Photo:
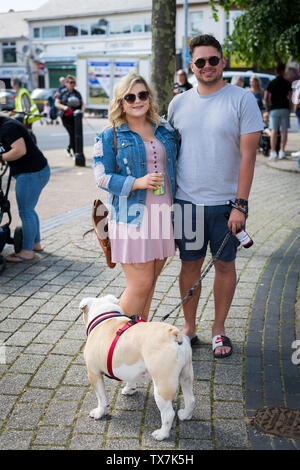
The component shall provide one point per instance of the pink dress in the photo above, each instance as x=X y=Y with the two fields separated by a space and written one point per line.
x=154 y=238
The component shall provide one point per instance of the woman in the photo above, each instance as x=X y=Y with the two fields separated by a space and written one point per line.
x=255 y=87
x=68 y=101
x=140 y=227
x=31 y=170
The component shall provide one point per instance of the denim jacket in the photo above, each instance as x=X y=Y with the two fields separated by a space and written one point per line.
x=128 y=206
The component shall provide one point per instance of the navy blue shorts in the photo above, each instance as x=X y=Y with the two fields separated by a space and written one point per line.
x=212 y=224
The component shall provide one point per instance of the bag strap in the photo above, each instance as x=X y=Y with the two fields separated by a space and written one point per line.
x=115 y=146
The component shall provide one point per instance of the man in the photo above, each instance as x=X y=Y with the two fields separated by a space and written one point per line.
x=68 y=101
x=62 y=84
x=220 y=126
x=182 y=83
x=24 y=104
x=279 y=103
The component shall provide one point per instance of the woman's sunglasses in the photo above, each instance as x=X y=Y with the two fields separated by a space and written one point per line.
x=213 y=60
x=131 y=97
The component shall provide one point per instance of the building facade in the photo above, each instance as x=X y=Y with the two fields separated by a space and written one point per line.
x=48 y=41
x=14 y=49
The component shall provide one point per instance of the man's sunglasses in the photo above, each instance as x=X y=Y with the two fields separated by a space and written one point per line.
x=71 y=82
x=131 y=97
x=213 y=60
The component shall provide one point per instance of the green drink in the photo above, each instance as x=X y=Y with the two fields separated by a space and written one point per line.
x=161 y=189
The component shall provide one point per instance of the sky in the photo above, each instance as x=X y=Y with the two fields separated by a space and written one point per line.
x=19 y=5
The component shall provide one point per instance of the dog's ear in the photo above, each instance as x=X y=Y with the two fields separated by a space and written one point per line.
x=112 y=298
x=84 y=306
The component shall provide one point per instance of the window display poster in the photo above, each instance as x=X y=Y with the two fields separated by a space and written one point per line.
x=99 y=82
x=123 y=68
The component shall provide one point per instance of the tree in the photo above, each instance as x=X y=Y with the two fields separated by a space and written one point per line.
x=266 y=33
x=163 y=51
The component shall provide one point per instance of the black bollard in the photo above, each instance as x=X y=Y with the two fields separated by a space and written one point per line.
x=79 y=156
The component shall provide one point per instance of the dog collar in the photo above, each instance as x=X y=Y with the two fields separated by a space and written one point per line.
x=100 y=318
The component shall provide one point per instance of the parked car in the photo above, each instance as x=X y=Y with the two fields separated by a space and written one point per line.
x=265 y=78
x=41 y=96
x=7 y=99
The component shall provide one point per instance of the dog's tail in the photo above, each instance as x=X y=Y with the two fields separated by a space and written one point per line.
x=173 y=331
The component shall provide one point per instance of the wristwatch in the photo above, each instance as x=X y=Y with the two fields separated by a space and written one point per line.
x=241 y=202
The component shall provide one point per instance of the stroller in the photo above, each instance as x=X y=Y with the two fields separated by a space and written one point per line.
x=265 y=140
x=5 y=236
x=265 y=143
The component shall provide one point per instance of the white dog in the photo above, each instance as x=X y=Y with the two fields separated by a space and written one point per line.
x=146 y=350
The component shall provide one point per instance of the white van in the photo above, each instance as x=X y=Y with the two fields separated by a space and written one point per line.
x=265 y=78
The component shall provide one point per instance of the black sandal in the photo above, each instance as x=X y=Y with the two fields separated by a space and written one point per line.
x=195 y=342
x=221 y=340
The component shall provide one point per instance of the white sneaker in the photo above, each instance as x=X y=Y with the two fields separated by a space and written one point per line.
x=273 y=156
x=295 y=154
x=68 y=153
x=281 y=155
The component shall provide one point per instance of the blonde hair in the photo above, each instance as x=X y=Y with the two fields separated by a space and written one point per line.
x=256 y=80
x=70 y=77
x=116 y=114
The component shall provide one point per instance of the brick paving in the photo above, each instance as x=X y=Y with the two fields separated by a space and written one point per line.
x=45 y=394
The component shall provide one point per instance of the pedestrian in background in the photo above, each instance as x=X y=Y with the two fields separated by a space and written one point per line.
x=68 y=101
x=220 y=126
x=24 y=104
x=182 y=83
x=255 y=87
x=62 y=84
x=31 y=171
x=237 y=80
x=139 y=175
x=279 y=104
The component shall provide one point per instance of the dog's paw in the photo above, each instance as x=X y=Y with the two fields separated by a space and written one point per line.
x=159 y=435
x=129 y=389
x=184 y=414
x=97 y=413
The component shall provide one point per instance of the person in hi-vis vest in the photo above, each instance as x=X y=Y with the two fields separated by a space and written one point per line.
x=24 y=103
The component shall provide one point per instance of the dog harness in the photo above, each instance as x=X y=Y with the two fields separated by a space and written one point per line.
x=134 y=319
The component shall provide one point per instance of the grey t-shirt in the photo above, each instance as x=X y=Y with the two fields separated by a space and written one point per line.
x=210 y=128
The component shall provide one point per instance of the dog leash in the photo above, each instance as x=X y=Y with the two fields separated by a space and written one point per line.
x=205 y=272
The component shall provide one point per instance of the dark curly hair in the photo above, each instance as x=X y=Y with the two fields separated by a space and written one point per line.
x=205 y=40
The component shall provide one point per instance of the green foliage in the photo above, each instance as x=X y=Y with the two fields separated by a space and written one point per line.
x=267 y=32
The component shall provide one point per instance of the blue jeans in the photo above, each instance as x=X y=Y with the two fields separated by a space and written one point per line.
x=28 y=189
x=298 y=117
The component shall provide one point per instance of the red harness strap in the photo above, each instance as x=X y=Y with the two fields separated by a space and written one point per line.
x=113 y=345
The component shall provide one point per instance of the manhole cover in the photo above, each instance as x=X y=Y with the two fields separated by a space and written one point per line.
x=282 y=422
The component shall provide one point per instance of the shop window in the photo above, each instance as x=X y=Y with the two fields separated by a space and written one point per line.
x=9 y=53
x=120 y=27
x=50 y=32
x=71 y=30
x=196 y=23
x=36 y=32
x=148 y=26
x=138 y=27
x=99 y=28
x=84 y=30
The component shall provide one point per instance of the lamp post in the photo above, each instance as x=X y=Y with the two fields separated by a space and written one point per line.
x=185 y=47
x=79 y=156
